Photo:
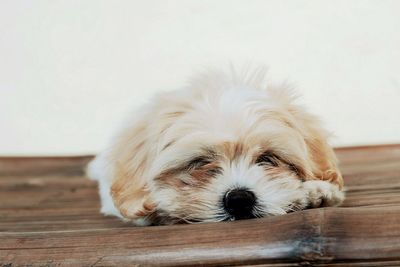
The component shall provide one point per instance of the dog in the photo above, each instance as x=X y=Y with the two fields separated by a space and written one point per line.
x=225 y=147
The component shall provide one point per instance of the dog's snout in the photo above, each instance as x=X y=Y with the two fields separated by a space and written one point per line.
x=239 y=203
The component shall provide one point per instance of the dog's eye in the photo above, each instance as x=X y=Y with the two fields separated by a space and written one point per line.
x=198 y=162
x=267 y=158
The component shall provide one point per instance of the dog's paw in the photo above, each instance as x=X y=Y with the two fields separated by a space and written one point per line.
x=322 y=194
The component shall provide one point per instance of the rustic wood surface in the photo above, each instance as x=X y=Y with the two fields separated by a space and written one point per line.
x=49 y=217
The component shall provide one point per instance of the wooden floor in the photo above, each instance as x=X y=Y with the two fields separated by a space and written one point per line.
x=49 y=217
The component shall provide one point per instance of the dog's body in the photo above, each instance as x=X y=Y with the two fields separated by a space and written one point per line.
x=222 y=149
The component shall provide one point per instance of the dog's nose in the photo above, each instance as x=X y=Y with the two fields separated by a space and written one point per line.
x=239 y=203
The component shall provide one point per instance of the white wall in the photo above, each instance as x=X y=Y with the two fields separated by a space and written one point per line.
x=70 y=70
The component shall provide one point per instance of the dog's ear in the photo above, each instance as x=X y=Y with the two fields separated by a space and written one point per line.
x=324 y=165
x=129 y=157
x=324 y=162
x=134 y=152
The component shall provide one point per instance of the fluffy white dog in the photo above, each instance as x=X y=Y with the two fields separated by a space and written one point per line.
x=225 y=148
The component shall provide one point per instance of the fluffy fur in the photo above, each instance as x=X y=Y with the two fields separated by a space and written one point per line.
x=178 y=156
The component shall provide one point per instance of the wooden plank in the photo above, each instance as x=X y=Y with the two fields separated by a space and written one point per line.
x=43 y=165
x=320 y=235
x=49 y=217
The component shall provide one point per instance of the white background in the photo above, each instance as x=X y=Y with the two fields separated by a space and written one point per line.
x=71 y=70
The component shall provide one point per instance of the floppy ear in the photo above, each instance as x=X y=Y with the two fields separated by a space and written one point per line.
x=129 y=157
x=323 y=160
x=133 y=152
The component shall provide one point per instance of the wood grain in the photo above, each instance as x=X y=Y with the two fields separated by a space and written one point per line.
x=49 y=217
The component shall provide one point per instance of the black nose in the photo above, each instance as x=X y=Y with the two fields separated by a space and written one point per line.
x=239 y=203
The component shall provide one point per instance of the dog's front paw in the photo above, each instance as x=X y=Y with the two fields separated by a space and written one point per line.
x=322 y=194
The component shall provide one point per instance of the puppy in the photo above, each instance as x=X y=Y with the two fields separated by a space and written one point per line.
x=224 y=148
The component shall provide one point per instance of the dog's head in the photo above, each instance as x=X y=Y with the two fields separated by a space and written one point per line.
x=220 y=150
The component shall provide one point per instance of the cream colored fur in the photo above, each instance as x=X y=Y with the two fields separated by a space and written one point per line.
x=233 y=119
